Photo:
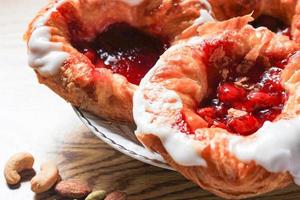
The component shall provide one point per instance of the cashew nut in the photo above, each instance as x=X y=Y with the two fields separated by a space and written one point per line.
x=46 y=178
x=16 y=164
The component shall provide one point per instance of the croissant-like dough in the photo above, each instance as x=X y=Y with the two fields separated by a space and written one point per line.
x=99 y=90
x=287 y=11
x=181 y=70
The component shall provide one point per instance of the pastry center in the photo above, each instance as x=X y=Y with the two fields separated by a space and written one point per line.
x=273 y=24
x=242 y=94
x=124 y=50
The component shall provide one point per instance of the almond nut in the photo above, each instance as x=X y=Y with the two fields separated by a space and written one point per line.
x=116 y=195
x=72 y=189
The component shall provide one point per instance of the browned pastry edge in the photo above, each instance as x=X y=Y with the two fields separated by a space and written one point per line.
x=287 y=11
x=86 y=100
x=202 y=175
x=281 y=9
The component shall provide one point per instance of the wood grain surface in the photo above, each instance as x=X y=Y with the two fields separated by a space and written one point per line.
x=34 y=119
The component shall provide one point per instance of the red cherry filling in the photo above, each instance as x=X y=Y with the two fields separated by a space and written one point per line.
x=242 y=94
x=229 y=93
x=273 y=24
x=124 y=50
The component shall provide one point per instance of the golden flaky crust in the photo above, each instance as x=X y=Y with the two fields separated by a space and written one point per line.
x=99 y=91
x=182 y=67
x=224 y=175
x=287 y=11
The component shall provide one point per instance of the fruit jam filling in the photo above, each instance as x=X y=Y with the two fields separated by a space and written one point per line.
x=272 y=24
x=124 y=50
x=243 y=94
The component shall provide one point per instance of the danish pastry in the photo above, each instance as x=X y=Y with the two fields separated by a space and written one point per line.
x=280 y=16
x=222 y=108
x=93 y=53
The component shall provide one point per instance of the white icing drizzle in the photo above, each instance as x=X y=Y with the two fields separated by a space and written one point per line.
x=205 y=14
x=275 y=146
x=149 y=119
x=207 y=5
x=203 y=18
x=44 y=55
x=133 y=2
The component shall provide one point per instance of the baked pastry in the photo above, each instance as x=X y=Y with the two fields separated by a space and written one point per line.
x=93 y=53
x=281 y=16
x=222 y=108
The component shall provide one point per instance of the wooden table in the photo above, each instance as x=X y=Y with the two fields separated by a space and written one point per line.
x=34 y=119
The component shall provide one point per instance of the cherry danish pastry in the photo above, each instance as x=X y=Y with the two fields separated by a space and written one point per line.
x=93 y=53
x=280 y=16
x=222 y=108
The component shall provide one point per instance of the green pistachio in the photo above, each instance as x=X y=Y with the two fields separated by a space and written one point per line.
x=97 y=195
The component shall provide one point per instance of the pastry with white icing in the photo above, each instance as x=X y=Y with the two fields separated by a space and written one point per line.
x=222 y=107
x=73 y=48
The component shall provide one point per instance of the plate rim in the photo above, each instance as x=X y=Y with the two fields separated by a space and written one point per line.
x=117 y=146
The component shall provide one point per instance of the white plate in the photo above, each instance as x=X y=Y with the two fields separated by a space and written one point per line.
x=121 y=137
